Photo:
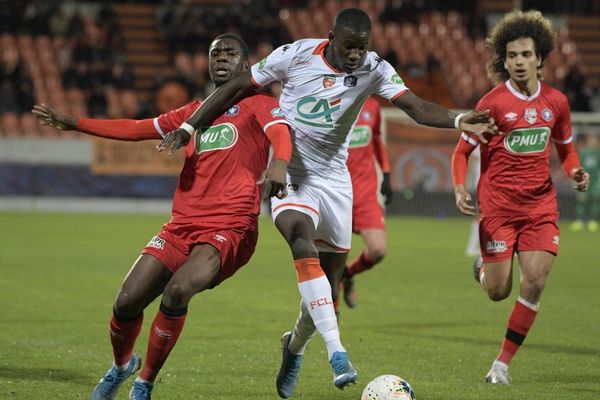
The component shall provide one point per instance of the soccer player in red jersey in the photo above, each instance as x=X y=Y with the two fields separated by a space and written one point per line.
x=214 y=223
x=517 y=199
x=366 y=146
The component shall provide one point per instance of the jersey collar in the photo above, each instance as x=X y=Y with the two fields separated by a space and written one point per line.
x=320 y=50
x=520 y=95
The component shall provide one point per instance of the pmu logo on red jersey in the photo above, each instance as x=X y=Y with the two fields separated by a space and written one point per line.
x=496 y=246
x=360 y=136
x=216 y=137
x=525 y=141
x=323 y=301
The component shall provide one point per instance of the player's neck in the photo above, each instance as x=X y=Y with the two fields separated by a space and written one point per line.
x=330 y=57
x=527 y=88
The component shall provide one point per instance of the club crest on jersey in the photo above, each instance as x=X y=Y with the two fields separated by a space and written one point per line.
x=233 y=111
x=547 y=114
x=366 y=115
x=511 y=116
x=328 y=81
x=531 y=115
x=350 y=81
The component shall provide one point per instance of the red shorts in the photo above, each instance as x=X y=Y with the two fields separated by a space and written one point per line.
x=173 y=245
x=367 y=213
x=500 y=237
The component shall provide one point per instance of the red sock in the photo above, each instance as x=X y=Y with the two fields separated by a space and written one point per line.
x=163 y=335
x=122 y=337
x=362 y=263
x=520 y=321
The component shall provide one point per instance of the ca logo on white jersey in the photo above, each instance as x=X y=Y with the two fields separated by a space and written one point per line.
x=317 y=112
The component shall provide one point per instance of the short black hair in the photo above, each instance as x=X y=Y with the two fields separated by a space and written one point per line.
x=353 y=19
x=242 y=43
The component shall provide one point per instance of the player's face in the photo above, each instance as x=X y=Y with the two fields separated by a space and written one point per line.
x=350 y=48
x=521 y=60
x=225 y=60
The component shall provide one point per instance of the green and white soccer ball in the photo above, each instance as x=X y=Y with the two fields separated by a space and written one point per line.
x=388 y=387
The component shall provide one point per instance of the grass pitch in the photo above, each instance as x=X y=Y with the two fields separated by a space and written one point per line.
x=420 y=316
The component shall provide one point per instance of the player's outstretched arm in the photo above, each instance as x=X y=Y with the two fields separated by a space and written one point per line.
x=427 y=113
x=54 y=119
x=118 y=129
x=216 y=104
x=572 y=166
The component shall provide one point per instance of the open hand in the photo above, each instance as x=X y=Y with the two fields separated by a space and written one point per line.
x=174 y=140
x=52 y=118
x=464 y=202
x=581 y=178
x=478 y=123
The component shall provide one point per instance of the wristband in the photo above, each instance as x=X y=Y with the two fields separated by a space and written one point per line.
x=187 y=127
x=457 y=120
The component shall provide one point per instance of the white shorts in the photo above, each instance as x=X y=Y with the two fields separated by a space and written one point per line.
x=329 y=207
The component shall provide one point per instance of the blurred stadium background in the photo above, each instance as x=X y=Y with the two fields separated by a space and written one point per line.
x=134 y=59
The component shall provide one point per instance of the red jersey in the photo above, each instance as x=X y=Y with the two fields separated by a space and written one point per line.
x=217 y=186
x=515 y=165
x=365 y=146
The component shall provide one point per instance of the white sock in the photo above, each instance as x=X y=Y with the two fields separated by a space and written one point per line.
x=123 y=367
x=499 y=364
x=303 y=331
x=316 y=294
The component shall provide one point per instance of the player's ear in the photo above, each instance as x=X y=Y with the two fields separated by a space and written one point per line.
x=246 y=66
x=330 y=36
x=505 y=65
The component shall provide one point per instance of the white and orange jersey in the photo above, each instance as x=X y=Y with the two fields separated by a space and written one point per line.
x=322 y=103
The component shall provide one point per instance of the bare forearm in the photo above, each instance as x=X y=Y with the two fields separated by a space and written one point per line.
x=431 y=114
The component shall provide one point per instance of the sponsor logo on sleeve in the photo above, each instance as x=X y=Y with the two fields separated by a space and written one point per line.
x=262 y=63
x=276 y=112
x=396 y=79
x=350 y=81
x=525 y=141
x=328 y=81
x=531 y=115
x=496 y=246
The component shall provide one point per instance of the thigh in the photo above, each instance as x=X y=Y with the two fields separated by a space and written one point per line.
x=535 y=265
x=298 y=230
x=198 y=273
x=145 y=282
x=374 y=238
x=498 y=275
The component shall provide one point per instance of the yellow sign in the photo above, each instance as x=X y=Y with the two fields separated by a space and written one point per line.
x=112 y=157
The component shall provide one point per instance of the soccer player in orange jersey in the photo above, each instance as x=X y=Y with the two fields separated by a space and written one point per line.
x=366 y=147
x=517 y=199
x=214 y=223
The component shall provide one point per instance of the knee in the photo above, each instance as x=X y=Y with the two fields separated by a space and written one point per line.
x=377 y=253
x=177 y=295
x=534 y=287
x=125 y=307
x=303 y=248
x=497 y=294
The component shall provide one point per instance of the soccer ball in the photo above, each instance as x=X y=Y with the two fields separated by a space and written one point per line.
x=388 y=387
